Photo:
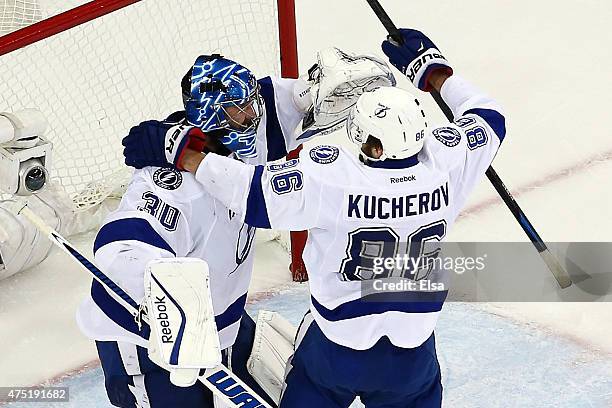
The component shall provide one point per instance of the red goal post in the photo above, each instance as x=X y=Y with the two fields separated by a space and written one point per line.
x=289 y=69
x=96 y=68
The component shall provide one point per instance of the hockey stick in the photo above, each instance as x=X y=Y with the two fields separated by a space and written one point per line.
x=220 y=380
x=560 y=274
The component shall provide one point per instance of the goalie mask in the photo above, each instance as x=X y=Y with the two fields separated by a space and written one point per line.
x=393 y=116
x=220 y=94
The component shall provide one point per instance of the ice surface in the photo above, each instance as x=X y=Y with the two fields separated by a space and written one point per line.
x=487 y=361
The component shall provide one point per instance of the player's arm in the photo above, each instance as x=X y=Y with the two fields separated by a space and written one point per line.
x=123 y=248
x=480 y=120
x=286 y=101
x=281 y=196
x=425 y=66
x=468 y=146
x=145 y=227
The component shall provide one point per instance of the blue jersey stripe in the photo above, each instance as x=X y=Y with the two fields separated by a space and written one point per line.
x=406 y=302
x=277 y=147
x=232 y=314
x=256 y=211
x=116 y=312
x=494 y=119
x=130 y=229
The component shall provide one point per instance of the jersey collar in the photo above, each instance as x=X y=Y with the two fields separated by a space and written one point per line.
x=394 y=164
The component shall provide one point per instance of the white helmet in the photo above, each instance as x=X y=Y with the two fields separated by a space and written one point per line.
x=393 y=116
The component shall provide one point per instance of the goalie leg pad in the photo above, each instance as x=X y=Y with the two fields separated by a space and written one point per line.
x=272 y=348
x=184 y=335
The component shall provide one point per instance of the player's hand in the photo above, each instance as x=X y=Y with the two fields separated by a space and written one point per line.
x=418 y=57
x=161 y=144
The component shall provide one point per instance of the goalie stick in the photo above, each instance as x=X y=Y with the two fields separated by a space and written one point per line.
x=560 y=274
x=224 y=384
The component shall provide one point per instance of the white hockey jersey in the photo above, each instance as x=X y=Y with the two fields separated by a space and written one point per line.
x=353 y=210
x=166 y=213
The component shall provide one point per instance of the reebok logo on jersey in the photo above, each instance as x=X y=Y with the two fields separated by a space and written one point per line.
x=162 y=319
x=395 y=180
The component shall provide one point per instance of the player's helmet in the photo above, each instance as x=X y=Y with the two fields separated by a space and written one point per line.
x=214 y=84
x=393 y=116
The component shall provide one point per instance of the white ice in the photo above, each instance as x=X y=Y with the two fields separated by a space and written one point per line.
x=547 y=63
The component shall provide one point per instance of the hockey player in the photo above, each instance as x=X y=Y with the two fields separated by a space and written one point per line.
x=166 y=213
x=408 y=187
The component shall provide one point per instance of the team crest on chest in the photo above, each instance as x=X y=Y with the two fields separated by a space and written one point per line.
x=448 y=136
x=168 y=179
x=324 y=154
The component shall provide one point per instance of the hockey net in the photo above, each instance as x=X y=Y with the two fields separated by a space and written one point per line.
x=121 y=64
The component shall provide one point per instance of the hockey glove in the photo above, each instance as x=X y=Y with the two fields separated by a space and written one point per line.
x=338 y=79
x=418 y=57
x=161 y=144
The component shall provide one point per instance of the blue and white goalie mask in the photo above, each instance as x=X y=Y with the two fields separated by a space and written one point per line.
x=219 y=93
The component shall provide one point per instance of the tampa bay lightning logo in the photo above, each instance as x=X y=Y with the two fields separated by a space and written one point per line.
x=324 y=154
x=244 y=244
x=168 y=179
x=448 y=136
x=381 y=111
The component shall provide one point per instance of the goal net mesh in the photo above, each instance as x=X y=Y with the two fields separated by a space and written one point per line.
x=95 y=81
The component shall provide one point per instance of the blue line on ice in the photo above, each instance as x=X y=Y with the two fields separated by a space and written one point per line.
x=487 y=361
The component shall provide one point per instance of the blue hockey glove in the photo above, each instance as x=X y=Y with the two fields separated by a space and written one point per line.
x=418 y=57
x=160 y=144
